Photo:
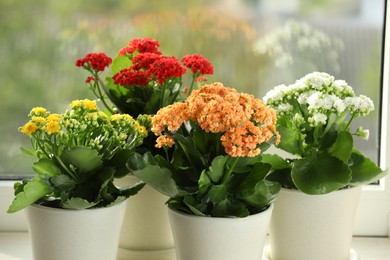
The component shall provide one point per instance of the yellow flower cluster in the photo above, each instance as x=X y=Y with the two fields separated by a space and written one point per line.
x=244 y=120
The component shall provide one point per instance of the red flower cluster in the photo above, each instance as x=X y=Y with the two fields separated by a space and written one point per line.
x=129 y=77
x=97 y=61
x=198 y=64
x=143 y=61
x=165 y=68
x=141 y=45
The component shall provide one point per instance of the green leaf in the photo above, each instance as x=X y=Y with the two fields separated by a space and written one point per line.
x=320 y=174
x=132 y=190
x=217 y=168
x=78 y=203
x=32 y=191
x=255 y=190
x=62 y=182
x=290 y=140
x=135 y=162
x=27 y=151
x=230 y=208
x=342 y=147
x=194 y=206
x=217 y=193
x=364 y=171
x=277 y=162
x=119 y=63
x=45 y=166
x=260 y=194
x=159 y=179
x=245 y=164
x=85 y=159
x=194 y=156
x=119 y=161
x=153 y=104
x=203 y=183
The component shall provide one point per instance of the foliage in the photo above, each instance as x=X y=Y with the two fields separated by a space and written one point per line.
x=79 y=153
x=314 y=118
x=216 y=168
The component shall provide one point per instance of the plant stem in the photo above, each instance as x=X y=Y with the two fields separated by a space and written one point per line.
x=192 y=84
x=230 y=169
x=100 y=94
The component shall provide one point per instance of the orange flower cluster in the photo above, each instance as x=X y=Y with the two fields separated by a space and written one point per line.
x=245 y=121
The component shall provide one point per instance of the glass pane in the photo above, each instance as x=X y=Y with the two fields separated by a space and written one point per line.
x=253 y=44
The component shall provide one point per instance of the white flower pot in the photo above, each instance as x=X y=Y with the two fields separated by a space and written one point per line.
x=313 y=226
x=62 y=234
x=207 y=238
x=146 y=233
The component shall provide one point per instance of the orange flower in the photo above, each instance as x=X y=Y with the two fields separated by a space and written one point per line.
x=245 y=121
x=243 y=140
x=165 y=141
x=170 y=117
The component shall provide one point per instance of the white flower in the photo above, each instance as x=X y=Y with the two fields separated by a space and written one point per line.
x=318 y=119
x=302 y=99
x=363 y=133
x=338 y=104
x=284 y=107
x=276 y=94
x=318 y=80
x=315 y=101
x=361 y=105
x=328 y=102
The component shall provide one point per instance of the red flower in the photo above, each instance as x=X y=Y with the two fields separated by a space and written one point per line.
x=165 y=68
x=126 y=50
x=128 y=77
x=142 y=46
x=144 y=60
x=97 y=61
x=198 y=64
x=90 y=79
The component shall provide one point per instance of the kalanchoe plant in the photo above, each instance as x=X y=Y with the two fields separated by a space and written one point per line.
x=79 y=153
x=314 y=121
x=216 y=169
x=143 y=80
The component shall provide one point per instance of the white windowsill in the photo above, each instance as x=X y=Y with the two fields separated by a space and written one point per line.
x=16 y=246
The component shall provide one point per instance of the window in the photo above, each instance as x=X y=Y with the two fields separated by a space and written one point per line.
x=253 y=44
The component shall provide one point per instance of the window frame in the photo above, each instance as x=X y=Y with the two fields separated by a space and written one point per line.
x=373 y=212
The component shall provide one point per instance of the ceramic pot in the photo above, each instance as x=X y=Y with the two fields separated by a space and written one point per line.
x=208 y=238
x=146 y=233
x=63 y=234
x=313 y=226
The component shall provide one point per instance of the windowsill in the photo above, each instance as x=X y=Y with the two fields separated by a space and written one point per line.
x=16 y=246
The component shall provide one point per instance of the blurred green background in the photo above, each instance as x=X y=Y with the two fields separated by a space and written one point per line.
x=253 y=44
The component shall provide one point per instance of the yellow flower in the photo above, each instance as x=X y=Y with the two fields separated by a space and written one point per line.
x=38 y=111
x=52 y=127
x=39 y=120
x=54 y=117
x=143 y=132
x=29 y=128
x=116 y=117
x=89 y=104
x=103 y=115
x=76 y=103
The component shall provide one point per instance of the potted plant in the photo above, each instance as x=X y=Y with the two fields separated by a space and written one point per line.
x=79 y=154
x=143 y=80
x=213 y=172
x=323 y=171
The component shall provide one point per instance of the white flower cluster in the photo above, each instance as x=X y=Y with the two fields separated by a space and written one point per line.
x=316 y=96
x=283 y=44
